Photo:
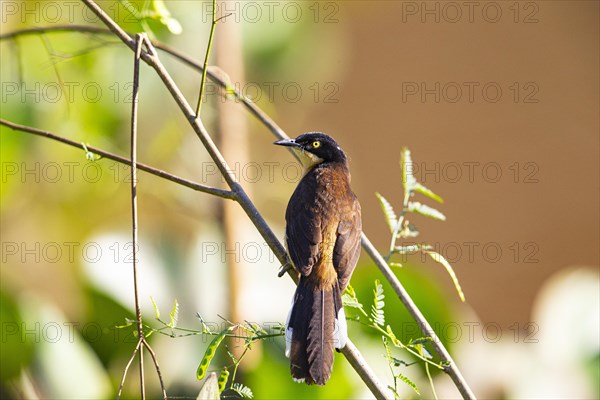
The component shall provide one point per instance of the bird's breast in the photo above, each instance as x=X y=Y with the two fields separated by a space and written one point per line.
x=330 y=200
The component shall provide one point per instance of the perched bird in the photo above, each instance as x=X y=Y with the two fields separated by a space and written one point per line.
x=323 y=229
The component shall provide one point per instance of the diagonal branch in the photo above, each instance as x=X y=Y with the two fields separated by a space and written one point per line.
x=137 y=348
x=155 y=361
x=226 y=194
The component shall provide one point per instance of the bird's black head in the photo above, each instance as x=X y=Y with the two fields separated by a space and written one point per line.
x=315 y=148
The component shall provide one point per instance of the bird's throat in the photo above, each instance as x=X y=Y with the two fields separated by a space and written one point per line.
x=308 y=160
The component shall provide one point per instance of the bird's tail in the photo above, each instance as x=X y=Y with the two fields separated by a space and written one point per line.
x=316 y=324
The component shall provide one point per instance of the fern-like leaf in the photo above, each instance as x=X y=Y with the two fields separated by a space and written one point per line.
x=174 y=315
x=377 y=314
x=408 y=179
x=242 y=390
x=427 y=192
x=156 y=311
x=416 y=207
x=388 y=211
x=408 y=382
x=349 y=298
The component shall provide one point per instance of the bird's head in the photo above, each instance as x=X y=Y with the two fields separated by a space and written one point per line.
x=313 y=148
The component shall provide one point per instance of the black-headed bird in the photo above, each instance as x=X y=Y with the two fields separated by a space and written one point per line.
x=322 y=236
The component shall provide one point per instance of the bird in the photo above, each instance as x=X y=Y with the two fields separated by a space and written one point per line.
x=322 y=237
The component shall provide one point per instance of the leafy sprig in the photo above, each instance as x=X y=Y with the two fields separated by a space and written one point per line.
x=376 y=320
x=402 y=228
x=249 y=333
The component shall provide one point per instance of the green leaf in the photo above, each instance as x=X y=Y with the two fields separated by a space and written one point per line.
x=418 y=345
x=132 y=9
x=440 y=259
x=174 y=315
x=388 y=211
x=161 y=13
x=416 y=207
x=349 y=298
x=409 y=383
x=156 y=312
x=242 y=390
x=421 y=340
x=349 y=301
x=427 y=192
x=395 y=264
x=128 y=322
x=408 y=179
x=396 y=342
x=209 y=354
x=89 y=155
x=377 y=314
x=425 y=353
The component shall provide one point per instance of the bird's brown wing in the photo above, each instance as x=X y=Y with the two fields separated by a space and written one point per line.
x=303 y=227
x=347 y=245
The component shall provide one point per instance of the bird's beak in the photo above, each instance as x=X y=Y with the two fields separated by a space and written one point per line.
x=288 y=143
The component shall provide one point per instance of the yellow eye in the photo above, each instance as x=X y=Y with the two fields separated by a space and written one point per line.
x=316 y=144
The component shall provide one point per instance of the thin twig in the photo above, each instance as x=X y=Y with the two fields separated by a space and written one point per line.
x=156 y=367
x=134 y=217
x=206 y=55
x=137 y=348
x=226 y=194
x=52 y=57
x=54 y=28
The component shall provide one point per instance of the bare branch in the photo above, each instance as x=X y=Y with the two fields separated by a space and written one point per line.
x=137 y=348
x=55 y=28
x=226 y=194
x=154 y=360
x=206 y=55
x=134 y=218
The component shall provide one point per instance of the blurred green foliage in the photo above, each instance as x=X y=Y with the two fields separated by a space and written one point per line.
x=16 y=351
